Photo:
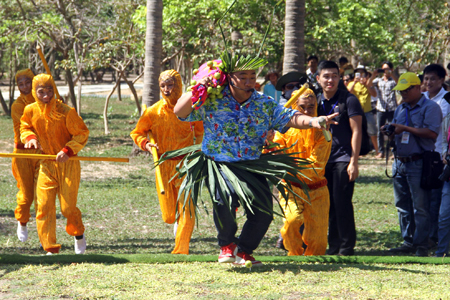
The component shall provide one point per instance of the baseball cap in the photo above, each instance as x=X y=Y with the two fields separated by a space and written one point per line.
x=406 y=80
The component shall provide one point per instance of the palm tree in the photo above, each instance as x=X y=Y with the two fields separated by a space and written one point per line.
x=294 y=36
x=153 y=49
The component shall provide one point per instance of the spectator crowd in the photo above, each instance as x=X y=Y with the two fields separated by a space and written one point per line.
x=407 y=113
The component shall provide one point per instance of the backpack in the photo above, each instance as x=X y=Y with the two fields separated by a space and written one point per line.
x=365 y=140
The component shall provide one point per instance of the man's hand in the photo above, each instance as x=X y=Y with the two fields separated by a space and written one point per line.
x=320 y=124
x=352 y=171
x=399 y=128
x=33 y=144
x=149 y=146
x=62 y=157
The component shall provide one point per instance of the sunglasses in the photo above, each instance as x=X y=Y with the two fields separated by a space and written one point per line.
x=407 y=90
x=291 y=86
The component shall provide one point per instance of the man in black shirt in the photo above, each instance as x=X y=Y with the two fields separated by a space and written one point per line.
x=342 y=167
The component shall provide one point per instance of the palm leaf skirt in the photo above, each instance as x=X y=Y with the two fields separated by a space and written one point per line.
x=281 y=169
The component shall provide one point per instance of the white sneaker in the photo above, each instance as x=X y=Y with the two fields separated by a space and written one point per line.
x=80 y=245
x=49 y=253
x=22 y=232
x=175 y=227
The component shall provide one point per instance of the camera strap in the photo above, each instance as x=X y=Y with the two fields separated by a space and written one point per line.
x=388 y=144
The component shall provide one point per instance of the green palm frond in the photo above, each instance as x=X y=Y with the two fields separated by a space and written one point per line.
x=235 y=63
x=282 y=170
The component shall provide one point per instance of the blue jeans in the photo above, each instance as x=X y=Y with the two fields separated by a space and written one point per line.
x=412 y=203
x=444 y=221
x=435 y=204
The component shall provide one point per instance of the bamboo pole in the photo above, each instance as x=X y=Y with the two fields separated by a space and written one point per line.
x=53 y=157
x=157 y=169
x=296 y=95
x=47 y=69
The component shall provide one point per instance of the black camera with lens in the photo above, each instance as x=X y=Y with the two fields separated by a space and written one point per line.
x=445 y=176
x=388 y=129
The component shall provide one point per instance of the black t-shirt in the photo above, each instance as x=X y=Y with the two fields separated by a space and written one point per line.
x=341 y=149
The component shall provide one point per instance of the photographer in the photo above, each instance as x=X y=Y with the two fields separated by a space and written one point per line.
x=416 y=121
x=387 y=102
x=359 y=87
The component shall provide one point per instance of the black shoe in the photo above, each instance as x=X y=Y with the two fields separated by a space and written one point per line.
x=432 y=244
x=402 y=249
x=422 y=252
x=280 y=244
x=346 y=253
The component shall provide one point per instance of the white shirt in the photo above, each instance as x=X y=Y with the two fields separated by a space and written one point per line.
x=445 y=108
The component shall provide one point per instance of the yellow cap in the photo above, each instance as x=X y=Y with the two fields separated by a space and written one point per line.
x=406 y=80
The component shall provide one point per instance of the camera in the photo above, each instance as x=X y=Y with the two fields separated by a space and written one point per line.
x=445 y=176
x=388 y=129
x=380 y=70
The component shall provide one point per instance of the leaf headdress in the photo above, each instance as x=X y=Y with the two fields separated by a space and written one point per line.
x=227 y=64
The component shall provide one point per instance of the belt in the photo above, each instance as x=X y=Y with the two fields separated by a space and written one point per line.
x=312 y=186
x=407 y=159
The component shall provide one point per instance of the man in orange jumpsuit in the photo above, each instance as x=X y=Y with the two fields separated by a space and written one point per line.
x=24 y=170
x=170 y=134
x=312 y=146
x=55 y=128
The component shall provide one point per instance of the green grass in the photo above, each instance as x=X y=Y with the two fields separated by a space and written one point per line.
x=128 y=255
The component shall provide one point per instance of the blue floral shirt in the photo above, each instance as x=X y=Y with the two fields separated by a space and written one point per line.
x=235 y=132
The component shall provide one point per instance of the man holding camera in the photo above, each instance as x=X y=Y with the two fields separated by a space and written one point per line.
x=414 y=130
x=387 y=102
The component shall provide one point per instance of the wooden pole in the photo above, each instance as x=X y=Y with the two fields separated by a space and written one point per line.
x=296 y=95
x=157 y=169
x=53 y=157
x=47 y=69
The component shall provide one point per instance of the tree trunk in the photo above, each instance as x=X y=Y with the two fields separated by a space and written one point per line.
x=79 y=97
x=119 y=90
x=153 y=49
x=4 y=105
x=105 y=109
x=133 y=91
x=294 y=37
x=69 y=80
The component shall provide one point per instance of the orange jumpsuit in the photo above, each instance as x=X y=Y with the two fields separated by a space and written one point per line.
x=24 y=170
x=57 y=127
x=313 y=146
x=170 y=134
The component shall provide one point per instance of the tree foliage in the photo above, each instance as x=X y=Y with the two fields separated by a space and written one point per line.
x=403 y=32
x=81 y=36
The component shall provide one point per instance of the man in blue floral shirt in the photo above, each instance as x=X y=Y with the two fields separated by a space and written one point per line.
x=236 y=126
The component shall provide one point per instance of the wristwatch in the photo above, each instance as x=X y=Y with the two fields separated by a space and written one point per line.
x=311 y=120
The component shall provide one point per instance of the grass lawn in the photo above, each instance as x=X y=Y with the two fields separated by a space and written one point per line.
x=129 y=246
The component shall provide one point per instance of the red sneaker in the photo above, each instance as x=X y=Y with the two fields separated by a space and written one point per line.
x=242 y=257
x=228 y=253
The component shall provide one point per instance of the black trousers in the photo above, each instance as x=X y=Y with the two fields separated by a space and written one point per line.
x=258 y=219
x=341 y=229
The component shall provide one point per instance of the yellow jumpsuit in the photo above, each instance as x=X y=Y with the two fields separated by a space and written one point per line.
x=25 y=171
x=57 y=127
x=313 y=146
x=170 y=134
